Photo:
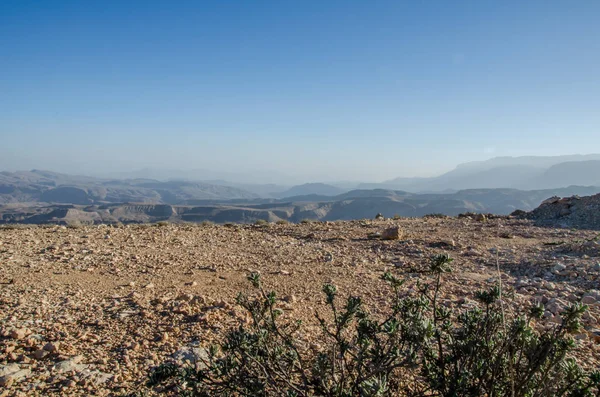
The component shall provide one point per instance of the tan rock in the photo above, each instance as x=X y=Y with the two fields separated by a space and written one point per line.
x=392 y=233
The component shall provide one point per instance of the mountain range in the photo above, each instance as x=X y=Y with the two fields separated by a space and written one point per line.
x=498 y=185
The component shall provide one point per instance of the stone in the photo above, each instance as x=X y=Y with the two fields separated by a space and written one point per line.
x=588 y=300
x=71 y=364
x=52 y=347
x=19 y=333
x=192 y=354
x=12 y=373
x=40 y=354
x=392 y=233
x=480 y=217
x=558 y=268
x=290 y=299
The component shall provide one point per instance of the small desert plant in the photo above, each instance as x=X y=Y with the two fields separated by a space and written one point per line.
x=282 y=222
x=261 y=222
x=207 y=223
x=435 y=215
x=307 y=221
x=418 y=348
x=162 y=223
x=397 y=217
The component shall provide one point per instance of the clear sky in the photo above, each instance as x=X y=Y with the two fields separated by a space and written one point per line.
x=323 y=90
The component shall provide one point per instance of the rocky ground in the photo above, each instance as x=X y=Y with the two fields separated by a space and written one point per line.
x=575 y=211
x=89 y=310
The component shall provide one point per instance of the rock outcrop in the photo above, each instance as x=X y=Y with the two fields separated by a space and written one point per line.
x=575 y=212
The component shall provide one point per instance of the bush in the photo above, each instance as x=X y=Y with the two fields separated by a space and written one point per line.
x=436 y=215
x=261 y=222
x=282 y=222
x=419 y=348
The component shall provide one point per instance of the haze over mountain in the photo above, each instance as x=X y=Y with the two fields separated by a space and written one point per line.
x=527 y=172
x=524 y=173
x=499 y=185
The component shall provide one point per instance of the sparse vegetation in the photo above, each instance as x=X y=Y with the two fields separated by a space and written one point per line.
x=207 y=223
x=162 y=223
x=419 y=348
x=282 y=222
x=307 y=221
x=435 y=215
x=261 y=222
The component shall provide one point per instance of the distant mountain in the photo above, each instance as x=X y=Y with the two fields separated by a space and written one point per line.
x=531 y=161
x=320 y=189
x=583 y=173
x=508 y=172
x=49 y=187
x=356 y=204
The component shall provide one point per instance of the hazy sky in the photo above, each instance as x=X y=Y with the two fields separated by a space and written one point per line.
x=355 y=90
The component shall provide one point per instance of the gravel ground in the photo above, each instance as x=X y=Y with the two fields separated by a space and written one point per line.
x=88 y=311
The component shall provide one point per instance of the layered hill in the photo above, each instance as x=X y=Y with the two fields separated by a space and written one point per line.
x=50 y=187
x=356 y=204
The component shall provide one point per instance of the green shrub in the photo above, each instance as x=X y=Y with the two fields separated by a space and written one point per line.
x=261 y=222
x=419 y=348
x=282 y=222
x=162 y=223
x=436 y=215
x=207 y=223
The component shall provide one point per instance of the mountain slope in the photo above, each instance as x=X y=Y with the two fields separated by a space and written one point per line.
x=44 y=186
x=320 y=189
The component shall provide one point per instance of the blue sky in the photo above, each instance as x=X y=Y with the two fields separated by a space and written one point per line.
x=319 y=90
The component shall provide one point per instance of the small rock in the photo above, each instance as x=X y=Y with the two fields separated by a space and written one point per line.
x=19 y=333
x=480 y=217
x=392 y=233
x=558 y=268
x=290 y=299
x=51 y=347
x=12 y=373
x=191 y=355
x=71 y=364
